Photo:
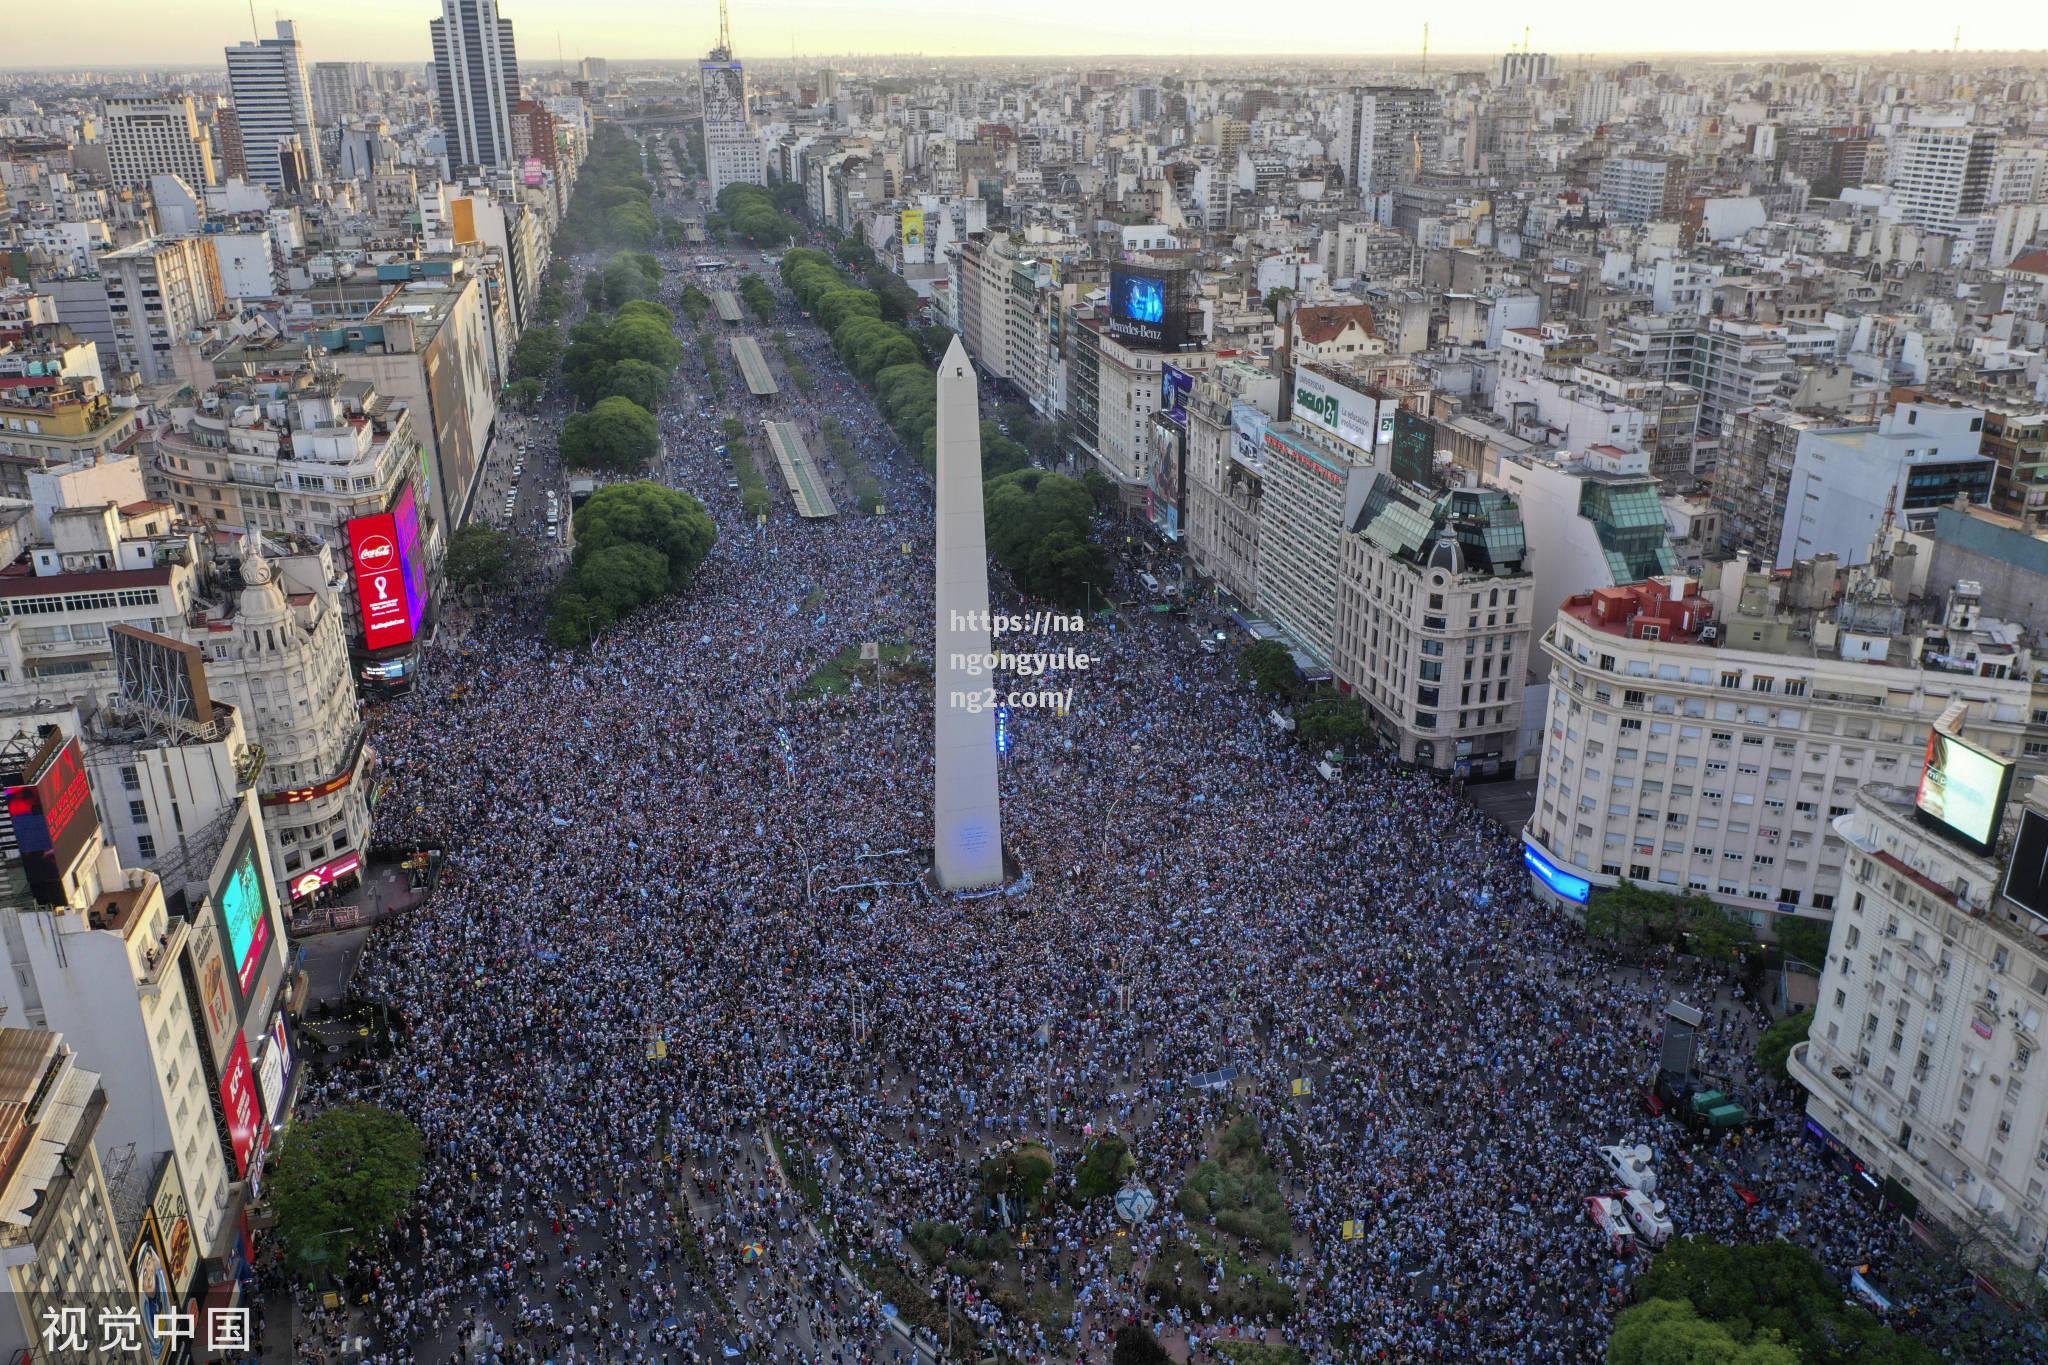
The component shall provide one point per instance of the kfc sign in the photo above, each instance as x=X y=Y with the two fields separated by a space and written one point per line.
x=380 y=582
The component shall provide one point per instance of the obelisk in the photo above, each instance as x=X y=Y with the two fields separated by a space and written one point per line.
x=967 y=814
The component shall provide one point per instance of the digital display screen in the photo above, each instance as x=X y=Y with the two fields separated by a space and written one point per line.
x=2026 y=876
x=1137 y=305
x=1414 y=454
x=243 y=908
x=380 y=582
x=239 y=1102
x=1141 y=298
x=52 y=816
x=1174 y=387
x=1572 y=888
x=1963 y=790
x=410 y=561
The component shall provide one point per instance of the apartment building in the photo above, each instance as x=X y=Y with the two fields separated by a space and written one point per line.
x=1919 y=1064
x=1941 y=169
x=1703 y=743
x=46 y=426
x=1433 y=624
x=274 y=110
x=159 y=291
x=1227 y=473
x=58 y=1239
x=1637 y=189
x=297 y=453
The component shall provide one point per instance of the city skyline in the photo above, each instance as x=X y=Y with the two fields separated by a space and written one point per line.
x=132 y=33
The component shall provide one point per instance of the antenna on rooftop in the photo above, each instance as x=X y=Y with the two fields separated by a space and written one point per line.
x=254 y=31
x=1425 y=49
x=724 y=33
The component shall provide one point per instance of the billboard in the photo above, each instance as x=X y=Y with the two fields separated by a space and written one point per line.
x=174 y=1229
x=1338 y=409
x=1247 y=434
x=2026 y=876
x=239 y=1105
x=162 y=676
x=245 y=911
x=216 y=999
x=533 y=171
x=380 y=582
x=1175 y=384
x=274 y=1071
x=1962 y=791
x=1164 y=494
x=1414 y=454
x=911 y=224
x=411 y=562
x=723 y=85
x=1141 y=306
x=51 y=813
x=146 y=1262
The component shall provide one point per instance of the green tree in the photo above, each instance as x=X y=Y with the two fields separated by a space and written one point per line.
x=1103 y=1167
x=524 y=393
x=1331 y=723
x=999 y=454
x=1137 y=1346
x=642 y=338
x=1669 y=1332
x=1804 y=940
x=1038 y=525
x=479 y=556
x=617 y=434
x=696 y=304
x=1269 y=668
x=657 y=313
x=1099 y=487
x=622 y=577
x=637 y=380
x=1780 y=1288
x=338 y=1179
x=536 y=353
x=575 y=620
x=1640 y=916
x=664 y=519
x=1774 y=1049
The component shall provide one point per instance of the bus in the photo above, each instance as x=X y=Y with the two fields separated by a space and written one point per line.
x=709 y=263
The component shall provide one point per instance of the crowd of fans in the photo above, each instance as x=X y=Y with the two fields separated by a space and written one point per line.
x=681 y=916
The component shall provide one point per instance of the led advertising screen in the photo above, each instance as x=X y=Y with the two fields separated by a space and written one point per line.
x=411 y=561
x=1138 y=306
x=1414 y=454
x=1175 y=385
x=246 y=912
x=52 y=814
x=240 y=1105
x=1962 y=791
x=380 y=582
x=2026 y=876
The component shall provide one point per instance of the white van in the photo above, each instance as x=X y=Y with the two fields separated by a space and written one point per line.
x=1608 y=1215
x=1151 y=584
x=1324 y=767
x=1647 y=1215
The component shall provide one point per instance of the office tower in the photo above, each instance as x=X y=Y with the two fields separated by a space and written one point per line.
x=1639 y=189
x=967 y=812
x=147 y=137
x=273 y=104
x=1941 y=167
x=476 y=75
x=1386 y=132
x=592 y=69
x=731 y=151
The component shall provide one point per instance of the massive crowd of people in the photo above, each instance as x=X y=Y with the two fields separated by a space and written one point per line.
x=681 y=916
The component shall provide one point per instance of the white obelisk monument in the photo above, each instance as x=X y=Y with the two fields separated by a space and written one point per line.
x=967 y=815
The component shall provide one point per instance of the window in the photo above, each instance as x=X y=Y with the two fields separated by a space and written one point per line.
x=146 y=846
x=138 y=812
x=1763 y=684
x=1731 y=680
x=1795 y=687
x=130 y=779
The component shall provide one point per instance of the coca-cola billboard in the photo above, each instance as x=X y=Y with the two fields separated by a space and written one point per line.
x=381 y=582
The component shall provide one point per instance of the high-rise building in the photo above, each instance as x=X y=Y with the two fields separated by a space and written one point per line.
x=1385 y=131
x=1638 y=189
x=1941 y=168
x=274 y=106
x=234 y=164
x=58 y=1239
x=1433 y=623
x=731 y=150
x=1918 y=1064
x=1526 y=68
x=476 y=76
x=337 y=90
x=159 y=290
x=147 y=137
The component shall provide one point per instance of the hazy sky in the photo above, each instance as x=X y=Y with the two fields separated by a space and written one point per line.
x=193 y=32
